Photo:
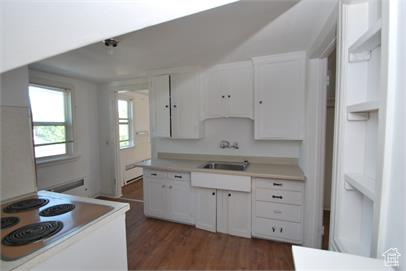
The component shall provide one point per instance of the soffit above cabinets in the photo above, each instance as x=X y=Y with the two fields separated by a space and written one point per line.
x=231 y=33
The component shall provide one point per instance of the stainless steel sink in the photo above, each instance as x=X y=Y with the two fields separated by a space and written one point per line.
x=226 y=165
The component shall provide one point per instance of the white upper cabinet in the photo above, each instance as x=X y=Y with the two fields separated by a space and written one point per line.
x=228 y=91
x=185 y=102
x=175 y=105
x=280 y=96
x=160 y=93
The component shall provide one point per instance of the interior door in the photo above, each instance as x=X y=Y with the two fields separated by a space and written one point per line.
x=206 y=209
x=215 y=93
x=239 y=213
x=156 y=200
x=241 y=91
x=185 y=92
x=161 y=93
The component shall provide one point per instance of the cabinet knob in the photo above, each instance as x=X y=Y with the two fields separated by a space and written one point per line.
x=214 y=193
x=174 y=106
x=223 y=96
x=260 y=102
x=229 y=194
x=166 y=106
x=170 y=187
x=163 y=186
x=229 y=96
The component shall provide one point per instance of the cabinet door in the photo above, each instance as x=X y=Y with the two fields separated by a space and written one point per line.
x=155 y=198
x=241 y=91
x=239 y=213
x=180 y=202
x=185 y=95
x=215 y=93
x=280 y=97
x=160 y=109
x=206 y=209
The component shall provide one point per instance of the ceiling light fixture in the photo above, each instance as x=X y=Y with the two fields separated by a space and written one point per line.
x=111 y=42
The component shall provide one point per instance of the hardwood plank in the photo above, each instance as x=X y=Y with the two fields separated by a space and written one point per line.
x=133 y=190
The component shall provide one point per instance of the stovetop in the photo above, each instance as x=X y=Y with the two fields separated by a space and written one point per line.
x=31 y=223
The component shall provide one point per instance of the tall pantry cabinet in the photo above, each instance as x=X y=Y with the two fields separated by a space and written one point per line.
x=360 y=122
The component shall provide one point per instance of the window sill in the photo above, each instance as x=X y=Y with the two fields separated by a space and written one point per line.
x=128 y=147
x=56 y=161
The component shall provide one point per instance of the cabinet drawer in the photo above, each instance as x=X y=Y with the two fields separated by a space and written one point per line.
x=279 y=196
x=179 y=176
x=278 y=211
x=279 y=184
x=155 y=174
x=278 y=229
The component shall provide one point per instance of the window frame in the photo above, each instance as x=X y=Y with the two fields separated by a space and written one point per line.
x=68 y=123
x=129 y=120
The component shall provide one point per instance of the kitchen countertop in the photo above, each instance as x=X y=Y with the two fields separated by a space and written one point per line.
x=42 y=254
x=275 y=171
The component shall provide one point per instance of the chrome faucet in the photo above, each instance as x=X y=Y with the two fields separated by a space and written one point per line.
x=224 y=144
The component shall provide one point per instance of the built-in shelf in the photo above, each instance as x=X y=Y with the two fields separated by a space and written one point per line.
x=364 y=107
x=360 y=50
x=365 y=185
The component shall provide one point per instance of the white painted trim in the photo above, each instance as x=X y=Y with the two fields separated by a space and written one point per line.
x=117 y=169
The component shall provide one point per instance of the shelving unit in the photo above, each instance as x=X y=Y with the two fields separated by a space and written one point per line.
x=364 y=184
x=357 y=180
x=370 y=40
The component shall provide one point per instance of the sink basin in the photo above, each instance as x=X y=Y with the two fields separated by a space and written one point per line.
x=226 y=165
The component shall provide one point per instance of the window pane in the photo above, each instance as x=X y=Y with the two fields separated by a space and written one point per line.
x=124 y=144
x=124 y=132
x=47 y=105
x=50 y=150
x=122 y=109
x=49 y=134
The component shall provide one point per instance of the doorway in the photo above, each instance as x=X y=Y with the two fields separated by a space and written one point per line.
x=134 y=141
x=329 y=143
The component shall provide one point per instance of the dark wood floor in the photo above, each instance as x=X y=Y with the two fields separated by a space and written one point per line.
x=133 y=190
x=326 y=223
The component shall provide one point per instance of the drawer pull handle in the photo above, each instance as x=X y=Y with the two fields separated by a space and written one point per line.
x=170 y=187
x=154 y=174
x=163 y=186
x=273 y=229
x=277 y=197
x=178 y=176
x=277 y=212
x=277 y=184
x=281 y=230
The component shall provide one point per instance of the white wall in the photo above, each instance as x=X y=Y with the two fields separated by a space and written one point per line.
x=142 y=145
x=85 y=111
x=233 y=130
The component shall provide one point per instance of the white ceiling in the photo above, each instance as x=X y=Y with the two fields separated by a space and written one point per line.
x=229 y=33
x=32 y=30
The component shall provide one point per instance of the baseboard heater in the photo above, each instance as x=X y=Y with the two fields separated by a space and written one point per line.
x=60 y=188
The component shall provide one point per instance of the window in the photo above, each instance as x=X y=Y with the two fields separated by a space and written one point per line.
x=52 y=121
x=125 y=122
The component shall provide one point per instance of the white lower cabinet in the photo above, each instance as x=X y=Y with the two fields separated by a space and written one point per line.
x=238 y=213
x=166 y=198
x=277 y=210
x=205 y=208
